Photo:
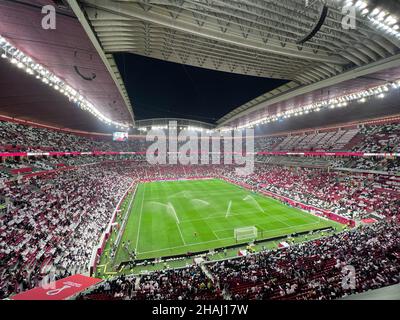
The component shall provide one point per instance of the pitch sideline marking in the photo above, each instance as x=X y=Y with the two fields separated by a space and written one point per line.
x=125 y=219
x=140 y=218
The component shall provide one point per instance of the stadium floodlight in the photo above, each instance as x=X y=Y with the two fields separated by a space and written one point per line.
x=23 y=61
x=375 y=12
x=381 y=16
x=390 y=20
x=364 y=12
x=329 y=103
x=361 y=4
x=388 y=25
x=348 y=3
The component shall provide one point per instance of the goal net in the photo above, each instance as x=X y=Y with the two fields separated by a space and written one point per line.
x=245 y=233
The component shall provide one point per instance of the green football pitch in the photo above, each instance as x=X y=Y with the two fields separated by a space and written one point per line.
x=175 y=217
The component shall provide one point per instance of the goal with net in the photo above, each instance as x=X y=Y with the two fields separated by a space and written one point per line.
x=245 y=233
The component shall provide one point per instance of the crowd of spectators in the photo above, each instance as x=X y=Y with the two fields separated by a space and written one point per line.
x=379 y=138
x=332 y=267
x=350 y=195
x=172 y=284
x=53 y=221
x=317 y=269
x=19 y=137
x=266 y=143
x=387 y=165
x=321 y=141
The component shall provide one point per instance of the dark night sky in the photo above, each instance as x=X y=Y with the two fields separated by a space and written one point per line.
x=160 y=89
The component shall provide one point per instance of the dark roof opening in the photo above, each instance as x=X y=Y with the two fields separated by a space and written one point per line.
x=160 y=89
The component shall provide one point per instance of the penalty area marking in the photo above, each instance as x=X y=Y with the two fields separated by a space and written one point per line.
x=187 y=245
x=180 y=232
x=278 y=229
x=219 y=239
x=222 y=215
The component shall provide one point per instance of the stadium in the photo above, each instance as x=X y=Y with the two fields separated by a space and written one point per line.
x=199 y=150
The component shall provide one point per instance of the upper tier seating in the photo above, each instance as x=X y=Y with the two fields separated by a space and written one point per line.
x=382 y=138
x=334 y=140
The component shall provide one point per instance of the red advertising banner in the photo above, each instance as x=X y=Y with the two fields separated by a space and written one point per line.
x=59 y=290
x=21 y=170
